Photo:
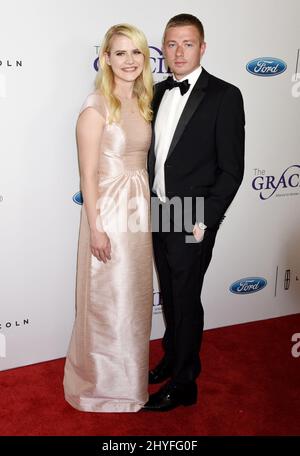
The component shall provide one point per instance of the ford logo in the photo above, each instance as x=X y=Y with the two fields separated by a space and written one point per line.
x=248 y=285
x=77 y=198
x=266 y=66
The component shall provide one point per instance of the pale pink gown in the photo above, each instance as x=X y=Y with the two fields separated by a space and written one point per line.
x=106 y=368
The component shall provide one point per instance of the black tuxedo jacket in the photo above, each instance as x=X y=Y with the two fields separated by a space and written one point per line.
x=206 y=155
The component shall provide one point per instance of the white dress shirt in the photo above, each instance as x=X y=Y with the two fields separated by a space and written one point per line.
x=169 y=112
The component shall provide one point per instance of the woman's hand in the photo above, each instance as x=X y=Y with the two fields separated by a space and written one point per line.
x=100 y=246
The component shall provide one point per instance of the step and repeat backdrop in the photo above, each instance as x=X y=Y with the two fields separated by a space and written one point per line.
x=48 y=62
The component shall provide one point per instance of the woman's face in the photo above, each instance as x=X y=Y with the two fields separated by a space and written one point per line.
x=125 y=59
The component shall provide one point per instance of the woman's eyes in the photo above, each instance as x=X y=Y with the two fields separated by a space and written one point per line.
x=122 y=53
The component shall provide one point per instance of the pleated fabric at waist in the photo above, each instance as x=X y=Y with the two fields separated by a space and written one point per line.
x=113 y=165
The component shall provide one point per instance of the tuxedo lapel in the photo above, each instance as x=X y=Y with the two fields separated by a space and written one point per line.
x=192 y=104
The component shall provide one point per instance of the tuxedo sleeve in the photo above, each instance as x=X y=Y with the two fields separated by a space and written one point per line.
x=230 y=145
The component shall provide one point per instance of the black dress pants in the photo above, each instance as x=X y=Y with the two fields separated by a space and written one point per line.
x=181 y=267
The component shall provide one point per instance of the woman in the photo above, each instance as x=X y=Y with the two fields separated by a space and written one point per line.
x=107 y=363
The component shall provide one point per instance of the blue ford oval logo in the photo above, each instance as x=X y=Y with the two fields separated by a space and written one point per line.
x=248 y=285
x=77 y=198
x=266 y=66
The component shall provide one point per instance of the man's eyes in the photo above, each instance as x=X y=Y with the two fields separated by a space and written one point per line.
x=172 y=45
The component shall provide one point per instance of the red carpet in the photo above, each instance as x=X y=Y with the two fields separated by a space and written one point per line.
x=250 y=386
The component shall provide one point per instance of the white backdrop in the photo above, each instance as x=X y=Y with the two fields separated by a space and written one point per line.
x=47 y=52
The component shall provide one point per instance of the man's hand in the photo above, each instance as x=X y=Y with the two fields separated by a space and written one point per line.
x=198 y=233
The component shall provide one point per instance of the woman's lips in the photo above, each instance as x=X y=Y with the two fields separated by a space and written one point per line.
x=129 y=70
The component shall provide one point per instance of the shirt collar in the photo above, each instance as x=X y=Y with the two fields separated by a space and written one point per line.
x=192 y=77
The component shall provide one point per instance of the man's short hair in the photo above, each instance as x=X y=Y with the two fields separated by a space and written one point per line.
x=185 y=19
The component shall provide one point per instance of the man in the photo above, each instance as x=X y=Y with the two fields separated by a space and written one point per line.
x=197 y=152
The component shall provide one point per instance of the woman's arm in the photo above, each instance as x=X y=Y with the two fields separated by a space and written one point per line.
x=89 y=131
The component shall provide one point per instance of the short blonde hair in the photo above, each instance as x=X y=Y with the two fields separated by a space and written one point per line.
x=185 y=19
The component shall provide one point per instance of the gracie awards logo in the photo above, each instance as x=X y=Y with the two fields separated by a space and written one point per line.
x=157 y=61
x=286 y=184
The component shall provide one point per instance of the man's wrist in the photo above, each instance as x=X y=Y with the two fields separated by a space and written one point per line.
x=201 y=226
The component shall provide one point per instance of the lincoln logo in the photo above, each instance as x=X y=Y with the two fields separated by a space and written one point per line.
x=14 y=324
x=10 y=63
x=287 y=279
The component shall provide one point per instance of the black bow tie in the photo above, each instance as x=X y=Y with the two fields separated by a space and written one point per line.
x=183 y=85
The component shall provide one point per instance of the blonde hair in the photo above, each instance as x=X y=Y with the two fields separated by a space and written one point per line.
x=143 y=86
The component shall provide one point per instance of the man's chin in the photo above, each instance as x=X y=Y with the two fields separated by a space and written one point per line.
x=179 y=72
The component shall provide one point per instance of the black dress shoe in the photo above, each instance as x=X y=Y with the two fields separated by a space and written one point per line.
x=172 y=395
x=160 y=373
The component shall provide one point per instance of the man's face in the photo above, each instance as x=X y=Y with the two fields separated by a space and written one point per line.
x=183 y=49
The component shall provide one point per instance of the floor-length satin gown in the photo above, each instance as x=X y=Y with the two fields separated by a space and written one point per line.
x=106 y=368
